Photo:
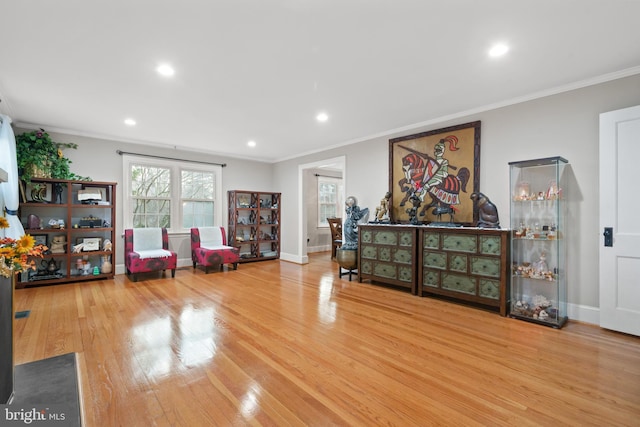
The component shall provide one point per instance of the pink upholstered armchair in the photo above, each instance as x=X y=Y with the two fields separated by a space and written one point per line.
x=209 y=247
x=147 y=250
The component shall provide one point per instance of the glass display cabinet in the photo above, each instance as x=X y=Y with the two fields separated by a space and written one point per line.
x=537 y=216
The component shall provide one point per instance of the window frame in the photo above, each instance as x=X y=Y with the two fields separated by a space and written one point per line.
x=339 y=183
x=176 y=167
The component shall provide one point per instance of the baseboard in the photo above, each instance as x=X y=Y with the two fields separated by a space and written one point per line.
x=294 y=258
x=583 y=313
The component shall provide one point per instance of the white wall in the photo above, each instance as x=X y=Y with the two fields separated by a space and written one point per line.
x=564 y=125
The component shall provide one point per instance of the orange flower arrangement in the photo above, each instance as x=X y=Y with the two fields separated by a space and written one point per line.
x=14 y=254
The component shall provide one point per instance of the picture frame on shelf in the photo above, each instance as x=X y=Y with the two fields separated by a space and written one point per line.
x=89 y=244
x=40 y=239
x=441 y=168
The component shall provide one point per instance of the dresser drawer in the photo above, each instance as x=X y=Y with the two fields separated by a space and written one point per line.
x=490 y=245
x=485 y=266
x=366 y=235
x=431 y=278
x=489 y=289
x=431 y=241
x=403 y=256
x=405 y=273
x=459 y=243
x=365 y=267
x=387 y=271
x=458 y=263
x=457 y=283
x=369 y=252
x=435 y=260
x=385 y=238
x=406 y=238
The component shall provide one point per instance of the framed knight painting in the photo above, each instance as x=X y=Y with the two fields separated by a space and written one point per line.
x=433 y=174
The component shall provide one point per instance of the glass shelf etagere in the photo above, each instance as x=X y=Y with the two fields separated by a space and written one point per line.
x=537 y=216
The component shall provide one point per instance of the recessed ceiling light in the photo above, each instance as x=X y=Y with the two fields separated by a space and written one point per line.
x=165 y=70
x=498 y=50
x=251 y=144
x=129 y=122
x=322 y=117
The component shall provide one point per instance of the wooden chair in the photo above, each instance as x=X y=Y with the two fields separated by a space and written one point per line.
x=335 y=224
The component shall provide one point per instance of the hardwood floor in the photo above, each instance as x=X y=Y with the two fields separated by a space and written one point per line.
x=276 y=343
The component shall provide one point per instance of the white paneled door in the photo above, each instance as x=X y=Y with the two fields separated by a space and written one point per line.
x=620 y=220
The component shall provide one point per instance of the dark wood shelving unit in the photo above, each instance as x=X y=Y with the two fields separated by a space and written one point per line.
x=53 y=200
x=254 y=224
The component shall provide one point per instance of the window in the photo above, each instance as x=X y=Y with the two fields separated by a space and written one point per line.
x=171 y=194
x=329 y=195
x=198 y=195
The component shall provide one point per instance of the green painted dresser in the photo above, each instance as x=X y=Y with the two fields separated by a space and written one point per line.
x=387 y=254
x=466 y=264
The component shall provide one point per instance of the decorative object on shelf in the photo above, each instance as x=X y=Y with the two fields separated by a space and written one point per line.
x=487 y=211
x=33 y=222
x=56 y=223
x=15 y=253
x=107 y=245
x=39 y=193
x=49 y=267
x=440 y=164
x=89 y=196
x=58 y=189
x=90 y=222
x=38 y=156
x=382 y=211
x=413 y=210
x=106 y=266
x=58 y=244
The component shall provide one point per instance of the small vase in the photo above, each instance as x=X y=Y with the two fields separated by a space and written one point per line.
x=106 y=265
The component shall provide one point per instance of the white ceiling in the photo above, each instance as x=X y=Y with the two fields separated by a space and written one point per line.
x=262 y=70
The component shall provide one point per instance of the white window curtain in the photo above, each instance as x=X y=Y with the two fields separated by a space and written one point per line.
x=9 y=191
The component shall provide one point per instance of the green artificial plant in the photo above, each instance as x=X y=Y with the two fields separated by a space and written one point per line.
x=39 y=156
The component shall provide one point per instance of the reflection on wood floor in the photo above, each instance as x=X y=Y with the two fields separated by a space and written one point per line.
x=276 y=343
